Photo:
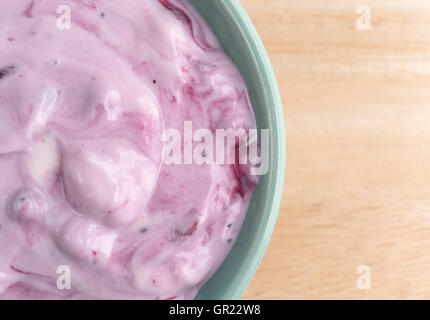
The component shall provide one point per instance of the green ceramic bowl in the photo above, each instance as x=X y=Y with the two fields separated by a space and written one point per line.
x=240 y=40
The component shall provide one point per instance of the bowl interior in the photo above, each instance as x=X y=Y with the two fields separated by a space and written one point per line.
x=240 y=40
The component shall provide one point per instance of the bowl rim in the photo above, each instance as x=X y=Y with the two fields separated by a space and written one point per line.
x=276 y=183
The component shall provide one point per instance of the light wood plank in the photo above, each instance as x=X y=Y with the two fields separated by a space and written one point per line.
x=357 y=115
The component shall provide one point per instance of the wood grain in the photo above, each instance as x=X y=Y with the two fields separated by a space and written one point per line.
x=357 y=116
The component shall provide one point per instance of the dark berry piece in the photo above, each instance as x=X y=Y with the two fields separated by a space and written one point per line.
x=6 y=71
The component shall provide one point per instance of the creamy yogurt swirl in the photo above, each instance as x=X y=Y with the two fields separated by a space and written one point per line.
x=82 y=184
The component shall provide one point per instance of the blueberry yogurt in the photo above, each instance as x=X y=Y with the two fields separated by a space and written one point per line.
x=87 y=89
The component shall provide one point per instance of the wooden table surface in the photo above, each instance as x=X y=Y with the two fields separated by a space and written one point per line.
x=357 y=116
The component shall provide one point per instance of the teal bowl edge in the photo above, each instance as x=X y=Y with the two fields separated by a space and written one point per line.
x=224 y=284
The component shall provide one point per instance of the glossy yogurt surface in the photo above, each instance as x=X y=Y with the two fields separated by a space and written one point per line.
x=82 y=181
